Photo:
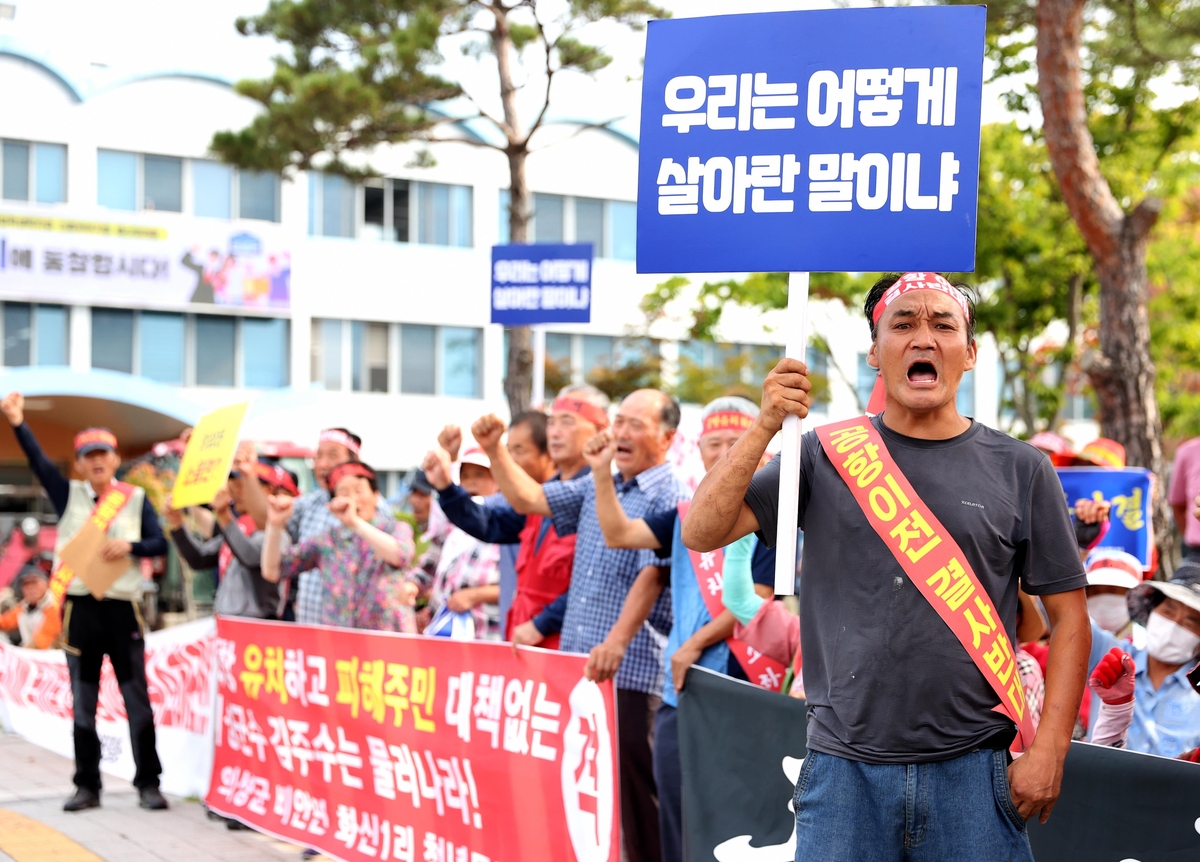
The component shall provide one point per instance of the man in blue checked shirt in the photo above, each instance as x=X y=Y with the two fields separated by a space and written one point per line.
x=602 y=583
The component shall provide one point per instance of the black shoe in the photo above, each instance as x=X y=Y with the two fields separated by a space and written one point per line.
x=235 y=825
x=150 y=798
x=82 y=800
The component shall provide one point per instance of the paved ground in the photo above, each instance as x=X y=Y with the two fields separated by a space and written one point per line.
x=34 y=828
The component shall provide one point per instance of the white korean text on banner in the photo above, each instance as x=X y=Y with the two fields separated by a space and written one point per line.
x=35 y=703
x=132 y=260
x=534 y=284
x=833 y=140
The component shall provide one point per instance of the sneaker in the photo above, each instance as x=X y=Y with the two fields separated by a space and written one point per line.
x=82 y=800
x=151 y=799
x=309 y=853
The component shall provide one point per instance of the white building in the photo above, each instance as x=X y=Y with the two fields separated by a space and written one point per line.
x=384 y=327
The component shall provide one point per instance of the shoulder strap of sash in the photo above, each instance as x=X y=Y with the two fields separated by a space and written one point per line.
x=107 y=507
x=709 y=570
x=930 y=557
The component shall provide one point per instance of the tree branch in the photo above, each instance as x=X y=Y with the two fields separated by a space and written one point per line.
x=537 y=123
x=583 y=127
x=1068 y=140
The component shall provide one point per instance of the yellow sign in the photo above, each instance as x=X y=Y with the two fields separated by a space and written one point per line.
x=71 y=225
x=208 y=456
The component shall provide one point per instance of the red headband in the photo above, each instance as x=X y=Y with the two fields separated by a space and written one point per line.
x=276 y=477
x=726 y=420
x=585 y=409
x=350 y=468
x=911 y=281
x=333 y=435
x=95 y=437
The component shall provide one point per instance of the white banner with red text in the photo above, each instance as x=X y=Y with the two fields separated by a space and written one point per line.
x=36 y=703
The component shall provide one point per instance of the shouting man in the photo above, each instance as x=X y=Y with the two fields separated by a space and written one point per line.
x=920 y=525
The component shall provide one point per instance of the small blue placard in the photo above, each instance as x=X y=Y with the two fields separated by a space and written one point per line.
x=841 y=140
x=1130 y=491
x=534 y=284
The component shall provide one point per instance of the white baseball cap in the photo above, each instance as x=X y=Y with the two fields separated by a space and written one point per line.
x=1111 y=567
x=476 y=456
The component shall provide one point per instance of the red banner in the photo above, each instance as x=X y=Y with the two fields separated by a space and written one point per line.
x=379 y=746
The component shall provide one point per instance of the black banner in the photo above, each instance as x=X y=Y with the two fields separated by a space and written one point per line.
x=741 y=749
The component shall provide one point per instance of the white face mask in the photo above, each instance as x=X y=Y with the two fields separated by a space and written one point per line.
x=1109 y=611
x=1170 y=642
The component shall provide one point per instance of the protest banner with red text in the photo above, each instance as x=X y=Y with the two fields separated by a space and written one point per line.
x=35 y=703
x=379 y=746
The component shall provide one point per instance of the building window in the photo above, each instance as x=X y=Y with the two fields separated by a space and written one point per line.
x=965 y=400
x=385 y=210
x=610 y=226
x=34 y=335
x=212 y=189
x=622 y=230
x=818 y=368
x=216 y=350
x=589 y=223
x=864 y=382
x=33 y=172
x=597 y=353
x=161 y=346
x=548 y=218
x=258 y=195
x=265 y=352
x=162 y=184
x=444 y=215
x=461 y=354
x=330 y=205
x=112 y=339
x=369 y=349
x=418 y=348
x=326 y=370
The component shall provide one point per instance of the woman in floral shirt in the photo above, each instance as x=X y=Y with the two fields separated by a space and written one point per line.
x=468 y=572
x=362 y=561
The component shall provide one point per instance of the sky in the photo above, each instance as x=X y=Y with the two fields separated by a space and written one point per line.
x=114 y=39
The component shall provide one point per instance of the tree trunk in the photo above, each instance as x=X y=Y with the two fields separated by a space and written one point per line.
x=518 y=385
x=518 y=382
x=1122 y=372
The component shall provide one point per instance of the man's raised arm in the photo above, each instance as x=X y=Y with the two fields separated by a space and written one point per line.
x=719 y=514
x=523 y=492
x=620 y=531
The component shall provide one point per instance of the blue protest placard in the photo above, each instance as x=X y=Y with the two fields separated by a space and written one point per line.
x=534 y=284
x=1130 y=491
x=836 y=140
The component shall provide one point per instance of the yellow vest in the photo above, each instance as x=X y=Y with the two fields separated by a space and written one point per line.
x=126 y=525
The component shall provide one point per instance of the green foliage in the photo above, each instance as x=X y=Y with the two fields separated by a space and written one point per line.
x=1175 y=312
x=361 y=73
x=636 y=364
x=735 y=374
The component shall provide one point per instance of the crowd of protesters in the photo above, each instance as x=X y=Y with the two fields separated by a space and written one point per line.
x=564 y=529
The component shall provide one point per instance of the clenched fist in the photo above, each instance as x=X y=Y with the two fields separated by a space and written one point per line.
x=487 y=431
x=13 y=407
x=785 y=393
x=599 y=452
x=279 y=509
x=450 y=439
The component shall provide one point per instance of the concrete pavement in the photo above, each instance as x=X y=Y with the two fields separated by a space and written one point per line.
x=34 y=828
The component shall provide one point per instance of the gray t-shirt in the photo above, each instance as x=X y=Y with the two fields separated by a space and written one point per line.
x=886 y=679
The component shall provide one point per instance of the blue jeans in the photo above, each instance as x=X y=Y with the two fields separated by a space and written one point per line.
x=955 y=810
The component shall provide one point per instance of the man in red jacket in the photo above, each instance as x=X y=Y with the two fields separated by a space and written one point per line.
x=544 y=559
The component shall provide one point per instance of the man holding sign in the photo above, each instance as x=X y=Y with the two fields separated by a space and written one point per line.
x=103 y=525
x=920 y=524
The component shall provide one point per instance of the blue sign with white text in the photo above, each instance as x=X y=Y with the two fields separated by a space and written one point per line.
x=534 y=284
x=1130 y=491
x=842 y=140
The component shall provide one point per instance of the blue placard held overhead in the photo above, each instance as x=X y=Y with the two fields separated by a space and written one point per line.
x=534 y=284
x=840 y=140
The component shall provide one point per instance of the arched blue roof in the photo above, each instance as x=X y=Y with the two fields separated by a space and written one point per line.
x=111 y=386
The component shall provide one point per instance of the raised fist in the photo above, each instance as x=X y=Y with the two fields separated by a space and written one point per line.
x=1113 y=677
x=1092 y=511
x=487 y=431
x=279 y=509
x=450 y=439
x=437 y=468
x=785 y=393
x=599 y=452
x=13 y=407
x=344 y=510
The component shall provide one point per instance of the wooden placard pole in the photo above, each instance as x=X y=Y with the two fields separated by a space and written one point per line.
x=796 y=325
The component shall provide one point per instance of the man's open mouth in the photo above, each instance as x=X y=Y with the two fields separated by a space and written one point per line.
x=922 y=372
x=624 y=449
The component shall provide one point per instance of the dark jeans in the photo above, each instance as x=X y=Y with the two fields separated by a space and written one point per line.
x=96 y=628
x=668 y=775
x=958 y=809
x=639 y=798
